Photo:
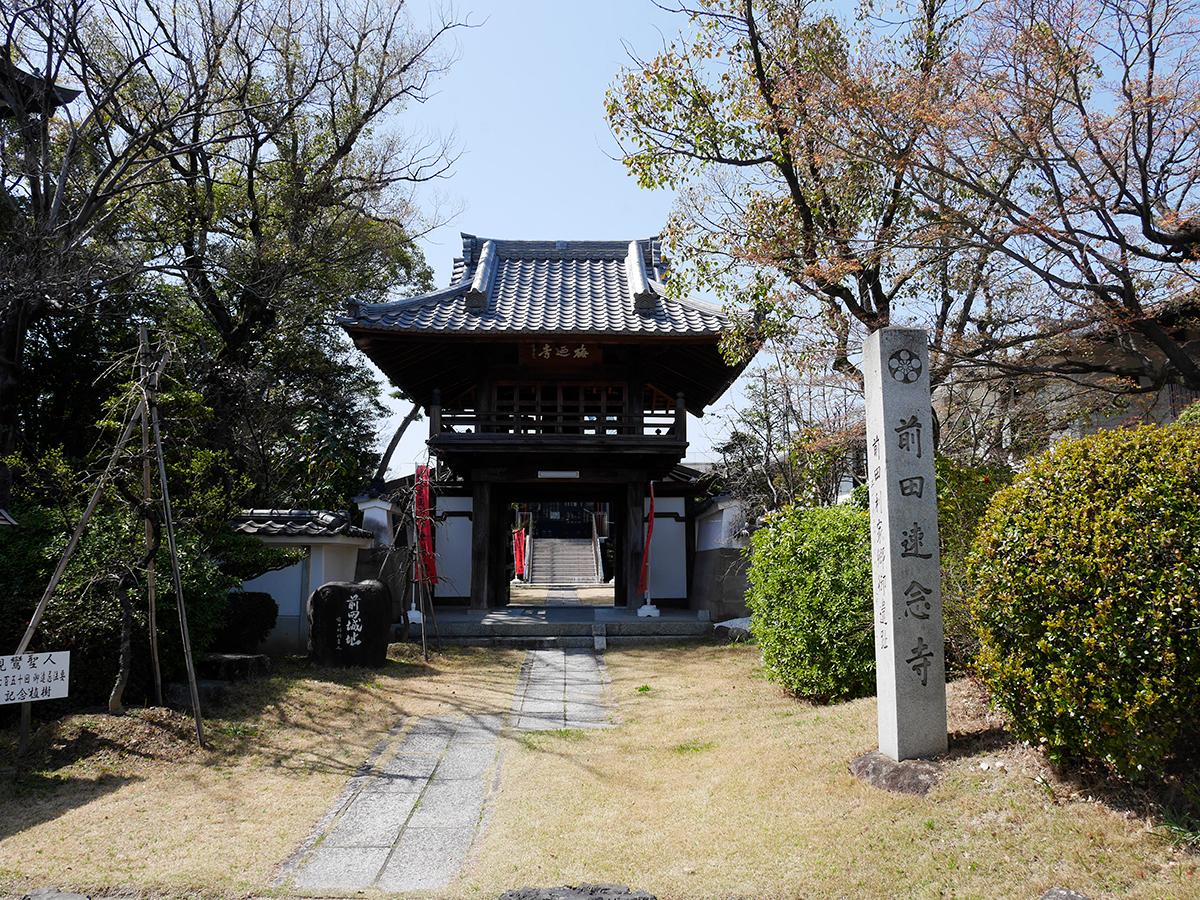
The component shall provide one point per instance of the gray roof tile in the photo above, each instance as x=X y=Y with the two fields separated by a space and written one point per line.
x=300 y=523
x=547 y=287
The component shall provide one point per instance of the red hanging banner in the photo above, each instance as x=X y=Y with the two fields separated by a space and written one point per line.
x=519 y=551
x=425 y=563
x=644 y=580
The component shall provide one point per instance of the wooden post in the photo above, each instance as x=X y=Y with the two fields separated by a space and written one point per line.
x=435 y=413
x=631 y=547
x=680 y=417
x=169 y=526
x=23 y=733
x=481 y=537
x=151 y=602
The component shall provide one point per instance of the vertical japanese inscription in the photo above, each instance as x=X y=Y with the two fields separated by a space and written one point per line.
x=910 y=664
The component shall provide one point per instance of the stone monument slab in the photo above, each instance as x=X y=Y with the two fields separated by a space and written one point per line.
x=909 y=652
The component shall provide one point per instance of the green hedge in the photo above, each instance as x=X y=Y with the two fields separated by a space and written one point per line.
x=1087 y=599
x=810 y=601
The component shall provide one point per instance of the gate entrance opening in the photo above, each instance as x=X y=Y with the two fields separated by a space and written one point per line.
x=562 y=554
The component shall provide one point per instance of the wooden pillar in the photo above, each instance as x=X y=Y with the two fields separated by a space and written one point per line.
x=680 y=417
x=631 y=545
x=435 y=413
x=481 y=542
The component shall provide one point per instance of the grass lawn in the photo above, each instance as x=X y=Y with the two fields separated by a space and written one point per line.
x=714 y=784
x=130 y=803
x=717 y=784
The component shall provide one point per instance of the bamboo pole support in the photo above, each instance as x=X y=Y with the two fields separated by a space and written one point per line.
x=169 y=526
x=147 y=493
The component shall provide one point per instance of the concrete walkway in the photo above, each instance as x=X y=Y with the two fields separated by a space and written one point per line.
x=407 y=821
x=560 y=689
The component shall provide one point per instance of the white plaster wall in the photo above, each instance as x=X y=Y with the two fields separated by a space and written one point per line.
x=282 y=584
x=720 y=527
x=452 y=542
x=337 y=562
x=289 y=587
x=668 y=550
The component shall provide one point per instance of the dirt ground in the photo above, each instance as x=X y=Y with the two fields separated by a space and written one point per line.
x=576 y=595
x=714 y=783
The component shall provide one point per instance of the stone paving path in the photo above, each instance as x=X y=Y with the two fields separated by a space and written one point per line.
x=560 y=689
x=407 y=820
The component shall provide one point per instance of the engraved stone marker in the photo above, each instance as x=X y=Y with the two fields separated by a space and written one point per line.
x=909 y=656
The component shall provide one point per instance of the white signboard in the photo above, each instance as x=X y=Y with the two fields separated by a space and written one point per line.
x=34 y=676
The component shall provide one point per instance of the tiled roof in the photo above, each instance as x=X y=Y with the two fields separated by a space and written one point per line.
x=300 y=523
x=548 y=287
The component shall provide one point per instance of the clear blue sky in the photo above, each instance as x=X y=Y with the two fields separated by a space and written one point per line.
x=525 y=101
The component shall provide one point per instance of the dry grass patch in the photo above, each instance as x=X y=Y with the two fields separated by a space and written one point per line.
x=130 y=803
x=717 y=784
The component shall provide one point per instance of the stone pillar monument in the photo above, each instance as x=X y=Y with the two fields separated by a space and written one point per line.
x=909 y=655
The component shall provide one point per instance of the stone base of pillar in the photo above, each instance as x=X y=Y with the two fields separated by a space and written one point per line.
x=648 y=610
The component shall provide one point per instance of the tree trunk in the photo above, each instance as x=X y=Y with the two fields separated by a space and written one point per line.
x=116 y=698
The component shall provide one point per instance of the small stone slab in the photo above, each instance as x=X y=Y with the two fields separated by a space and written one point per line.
x=1060 y=893
x=426 y=858
x=342 y=868
x=912 y=776
x=733 y=630
x=52 y=893
x=578 y=892
x=233 y=666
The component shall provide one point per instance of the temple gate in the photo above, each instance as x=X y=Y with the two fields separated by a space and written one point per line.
x=554 y=372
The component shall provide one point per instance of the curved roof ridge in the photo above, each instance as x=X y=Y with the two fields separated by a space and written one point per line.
x=548 y=287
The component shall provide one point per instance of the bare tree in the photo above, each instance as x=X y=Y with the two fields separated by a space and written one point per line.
x=1091 y=109
x=797 y=438
x=1017 y=177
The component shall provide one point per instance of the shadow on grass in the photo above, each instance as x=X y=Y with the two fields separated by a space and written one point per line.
x=263 y=717
x=31 y=798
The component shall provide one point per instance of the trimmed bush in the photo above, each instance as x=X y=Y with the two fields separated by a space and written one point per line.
x=1087 y=599
x=1190 y=417
x=810 y=601
x=963 y=494
x=249 y=618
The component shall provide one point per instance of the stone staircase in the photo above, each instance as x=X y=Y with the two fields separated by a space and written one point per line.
x=563 y=627
x=563 y=561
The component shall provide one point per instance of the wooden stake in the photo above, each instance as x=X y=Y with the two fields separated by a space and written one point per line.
x=151 y=602
x=169 y=525
x=424 y=617
x=23 y=733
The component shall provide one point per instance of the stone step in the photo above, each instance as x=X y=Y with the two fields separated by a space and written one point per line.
x=557 y=643
x=647 y=627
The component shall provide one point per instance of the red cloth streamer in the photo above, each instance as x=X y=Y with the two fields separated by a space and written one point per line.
x=519 y=551
x=644 y=580
x=425 y=563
